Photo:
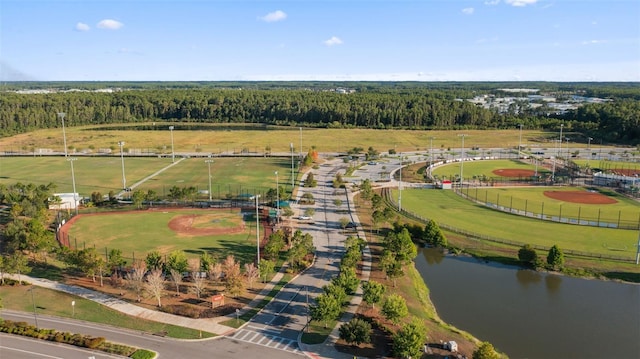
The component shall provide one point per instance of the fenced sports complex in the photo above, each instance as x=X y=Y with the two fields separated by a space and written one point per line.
x=584 y=221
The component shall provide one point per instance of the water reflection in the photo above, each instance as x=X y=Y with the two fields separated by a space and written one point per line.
x=529 y=314
x=526 y=277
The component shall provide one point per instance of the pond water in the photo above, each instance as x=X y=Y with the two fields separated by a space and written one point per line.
x=527 y=314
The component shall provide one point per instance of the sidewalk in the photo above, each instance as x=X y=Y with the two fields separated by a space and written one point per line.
x=210 y=325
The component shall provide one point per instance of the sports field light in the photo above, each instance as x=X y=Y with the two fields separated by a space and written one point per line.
x=256 y=197
x=277 y=198
x=73 y=183
x=209 y=162
x=173 y=155
x=124 y=181
x=462 y=135
x=64 y=135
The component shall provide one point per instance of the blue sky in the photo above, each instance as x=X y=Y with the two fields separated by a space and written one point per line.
x=376 y=40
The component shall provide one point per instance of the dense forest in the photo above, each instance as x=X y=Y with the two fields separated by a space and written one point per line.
x=317 y=104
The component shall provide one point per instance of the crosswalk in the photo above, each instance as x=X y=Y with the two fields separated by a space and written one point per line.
x=267 y=338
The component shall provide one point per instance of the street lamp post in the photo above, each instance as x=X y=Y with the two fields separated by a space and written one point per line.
x=462 y=135
x=400 y=186
x=124 y=181
x=589 y=149
x=277 y=198
x=173 y=155
x=520 y=141
x=64 y=136
x=292 y=170
x=561 y=127
x=73 y=183
x=430 y=156
x=33 y=301
x=209 y=162
x=257 y=229
x=73 y=309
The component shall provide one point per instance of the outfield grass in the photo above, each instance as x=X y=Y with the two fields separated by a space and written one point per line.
x=103 y=174
x=625 y=212
x=56 y=303
x=221 y=139
x=137 y=234
x=606 y=165
x=473 y=169
x=448 y=208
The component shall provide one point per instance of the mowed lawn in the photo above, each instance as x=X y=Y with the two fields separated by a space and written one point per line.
x=278 y=138
x=445 y=207
x=233 y=175
x=484 y=168
x=532 y=199
x=138 y=233
x=104 y=174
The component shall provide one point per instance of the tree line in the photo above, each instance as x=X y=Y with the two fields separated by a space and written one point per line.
x=379 y=107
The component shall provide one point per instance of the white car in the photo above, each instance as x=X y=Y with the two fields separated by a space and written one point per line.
x=304 y=218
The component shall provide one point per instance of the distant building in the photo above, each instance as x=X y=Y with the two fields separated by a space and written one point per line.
x=67 y=201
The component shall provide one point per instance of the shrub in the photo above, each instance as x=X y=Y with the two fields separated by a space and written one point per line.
x=143 y=354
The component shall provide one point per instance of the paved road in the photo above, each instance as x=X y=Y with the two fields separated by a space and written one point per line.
x=283 y=320
x=219 y=347
x=17 y=347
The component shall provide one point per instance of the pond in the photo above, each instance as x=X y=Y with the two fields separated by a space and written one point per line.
x=527 y=314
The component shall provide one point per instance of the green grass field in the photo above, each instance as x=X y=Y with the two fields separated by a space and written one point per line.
x=221 y=139
x=137 y=234
x=56 y=303
x=473 y=169
x=625 y=212
x=448 y=208
x=104 y=174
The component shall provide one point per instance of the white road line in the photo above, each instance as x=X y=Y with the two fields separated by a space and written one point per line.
x=29 y=352
x=254 y=336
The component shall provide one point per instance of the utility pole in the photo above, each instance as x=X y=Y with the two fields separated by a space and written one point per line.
x=292 y=170
x=209 y=162
x=173 y=155
x=124 y=181
x=462 y=135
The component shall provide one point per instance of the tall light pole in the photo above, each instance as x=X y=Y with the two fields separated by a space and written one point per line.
x=209 y=162
x=462 y=135
x=568 y=152
x=277 y=198
x=33 y=301
x=257 y=229
x=400 y=186
x=73 y=183
x=124 y=181
x=64 y=135
x=589 y=150
x=520 y=141
x=430 y=155
x=173 y=155
x=292 y=170
x=561 y=127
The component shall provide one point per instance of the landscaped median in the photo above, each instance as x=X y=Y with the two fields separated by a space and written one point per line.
x=84 y=341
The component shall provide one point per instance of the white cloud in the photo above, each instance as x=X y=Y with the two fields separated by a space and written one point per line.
x=275 y=16
x=334 y=40
x=467 y=10
x=81 y=26
x=520 y=2
x=492 y=2
x=593 y=42
x=109 y=24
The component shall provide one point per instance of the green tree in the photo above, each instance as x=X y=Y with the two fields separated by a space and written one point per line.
x=344 y=221
x=394 y=308
x=153 y=260
x=372 y=292
x=348 y=280
x=409 y=340
x=555 y=258
x=233 y=282
x=309 y=212
x=528 y=255
x=310 y=180
x=432 y=234
x=337 y=202
x=356 y=331
x=274 y=245
x=327 y=308
x=336 y=291
x=115 y=259
x=177 y=260
x=377 y=202
x=17 y=263
x=366 y=191
x=485 y=351
x=137 y=197
x=401 y=245
x=266 y=268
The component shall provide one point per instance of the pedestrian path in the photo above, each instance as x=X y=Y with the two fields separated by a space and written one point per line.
x=265 y=337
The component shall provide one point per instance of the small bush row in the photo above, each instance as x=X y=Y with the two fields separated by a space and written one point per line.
x=79 y=340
